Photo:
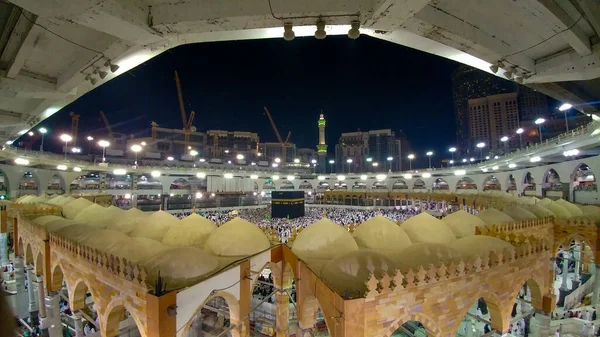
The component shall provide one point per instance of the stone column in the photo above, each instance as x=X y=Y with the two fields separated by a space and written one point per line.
x=22 y=305
x=596 y=286
x=42 y=307
x=78 y=324
x=33 y=307
x=53 y=314
x=4 y=250
x=577 y=257
x=134 y=200
x=540 y=325
x=565 y=271
x=281 y=325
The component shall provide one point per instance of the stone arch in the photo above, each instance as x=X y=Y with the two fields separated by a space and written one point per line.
x=359 y=185
x=429 y=323
x=583 y=176
x=491 y=183
x=286 y=185
x=29 y=181
x=29 y=258
x=56 y=183
x=57 y=277
x=78 y=292
x=399 y=184
x=566 y=241
x=379 y=185
x=323 y=185
x=148 y=182
x=310 y=309
x=234 y=312
x=39 y=263
x=269 y=185
x=551 y=178
x=86 y=181
x=340 y=185
x=305 y=185
x=494 y=305
x=440 y=184
x=180 y=184
x=511 y=183
x=466 y=183
x=419 y=184
x=114 y=311
x=528 y=181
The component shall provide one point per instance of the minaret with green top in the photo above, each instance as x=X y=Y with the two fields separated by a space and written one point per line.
x=322 y=147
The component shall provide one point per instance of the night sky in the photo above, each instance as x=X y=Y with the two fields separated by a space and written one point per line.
x=359 y=84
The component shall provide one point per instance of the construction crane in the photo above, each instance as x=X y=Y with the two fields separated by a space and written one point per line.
x=187 y=122
x=111 y=136
x=285 y=144
x=74 y=126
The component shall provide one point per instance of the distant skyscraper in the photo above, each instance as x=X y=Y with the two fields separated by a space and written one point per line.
x=492 y=118
x=366 y=148
x=532 y=104
x=469 y=83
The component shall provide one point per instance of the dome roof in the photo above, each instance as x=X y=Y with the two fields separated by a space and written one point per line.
x=43 y=220
x=425 y=228
x=462 y=223
x=237 y=237
x=349 y=273
x=128 y=221
x=323 y=239
x=53 y=226
x=590 y=211
x=155 y=226
x=558 y=210
x=90 y=213
x=180 y=266
x=545 y=201
x=24 y=199
x=479 y=244
x=519 y=213
x=492 y=216
x=104 y=238
x=109 y=215
x=381 y=234
x=56 y=200
x=574 y=210
x=72 y=208
x=137 y=250
x=539 y=211
x=424 y=254
x=77 y=232
x=193 y=230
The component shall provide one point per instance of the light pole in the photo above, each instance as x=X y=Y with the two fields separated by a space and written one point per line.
x=90 y=139
x=104 y=144
x=539 y=123
x=390 y=160
x=564 y=108
x=369 y=160
x=452 y=150
x=429 y=154
x=349 y=161
x=194 y=153
x=504 y=140
x=136 y=148
x=43 y=132
x=410 y=158
x=480 y=146
x=520 y=133
x=331 y=161
x=66 y=138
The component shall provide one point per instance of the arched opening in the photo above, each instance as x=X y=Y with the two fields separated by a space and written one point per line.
x=466 y=183
x=552 y=186
x=379 y=185
x=180 y=184
x=511 y=183
x=151 y=198
x=359 y=185
x=119 y=321
x=56 y=185
x=57 y=278
x=529 y=184
x=269 y=185
x=584 y=184
x=148 y=182
x=215 y=317
x=478 y=319
x=573 y=265
x=255 y=186
x=90 y=181
x=4 y=185
x=39 y=264
x=305 y=185
x=28 y=184
x=80 y=298
x=440 y=185
x=28 y=255
x=491 y=183
x=527 y=299
x=399 y=185
x=340 y=185
x=287 y=185
x=323 y=185
x=411 y=329
x=419 y=184
x=314 y=322
x=118 y=182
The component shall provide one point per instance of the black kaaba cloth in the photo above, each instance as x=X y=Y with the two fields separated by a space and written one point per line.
x=287 y=204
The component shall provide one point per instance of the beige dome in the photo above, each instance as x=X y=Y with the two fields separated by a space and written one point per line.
x=155 y=226
x=43 y=220
x=90 y=213
x=558 y=210
x=236 y=237
x=180 y=266
x=492 y=216
x=56 y=200
x=63 y=201
x=519 y=213
x=71 y=209
x=348 y=274
x=539 y=211
x=104 y=238
x=381 y=234
x=479 y=244
x=425 y=228
x=323 y=239
x=591 y=212
x=545 y=201
x=193 y=230
x=424 y=254
x=137 y=250
x=53 y=226
x=462 y=223
x=574 y=210
x=128 y=221
x=24 y=199
x=109 y=215
x=77 y=232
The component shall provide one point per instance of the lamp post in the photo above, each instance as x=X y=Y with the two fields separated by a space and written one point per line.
x=504 y=140
x=429 y=154
x=136 y=148
x=103 y=144
x=194 y=153
x=66 y=138
x=539 y=123
x=564 y=108
x=349 y=161
x=390 y=159
x=452 y=150
x=480 y=146
x=410 y=158
x=43 y=132
x=331 y=161
x=90 y=139
x=520 y=133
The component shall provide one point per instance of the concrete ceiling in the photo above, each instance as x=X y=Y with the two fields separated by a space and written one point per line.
x=48 y=48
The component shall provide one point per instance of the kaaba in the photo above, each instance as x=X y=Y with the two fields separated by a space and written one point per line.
x=287 y=204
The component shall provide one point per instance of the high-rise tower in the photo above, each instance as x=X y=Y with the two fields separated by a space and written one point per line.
x=322 y=147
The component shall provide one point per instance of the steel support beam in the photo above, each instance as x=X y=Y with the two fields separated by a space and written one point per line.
x=560 y=21
x=389 y=15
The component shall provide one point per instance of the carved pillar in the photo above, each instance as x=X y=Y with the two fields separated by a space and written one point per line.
x=78 y=324
x=22 y=306
x=596 y=286
x=53 y=314
x=41 y=304
x=577 y=257
x=134 y=198
x=283 y=303
x=3 y=237
x=160 y=322
x=565 y=271
x=33 y=308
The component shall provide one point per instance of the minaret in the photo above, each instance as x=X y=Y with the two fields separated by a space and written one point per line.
x=322 y=147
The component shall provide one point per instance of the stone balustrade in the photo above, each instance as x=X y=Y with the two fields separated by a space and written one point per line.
x=513 y=226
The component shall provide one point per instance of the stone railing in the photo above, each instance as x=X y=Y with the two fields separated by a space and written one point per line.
x=512 y=226
x=112 y=264
x=30 y=211
x=576 y=221
x=383 y=284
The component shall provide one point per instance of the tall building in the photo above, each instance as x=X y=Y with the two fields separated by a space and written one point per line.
x=493 y=117
x=322 y=147
x=221 y=143
x=368 y=151
x=470 y=83
x=532 y=104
